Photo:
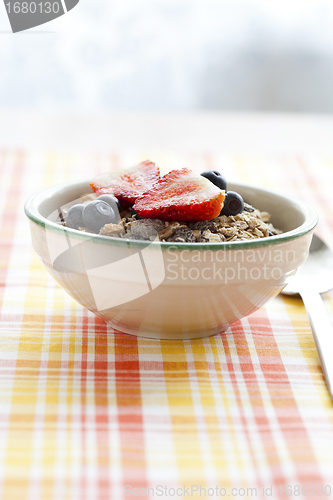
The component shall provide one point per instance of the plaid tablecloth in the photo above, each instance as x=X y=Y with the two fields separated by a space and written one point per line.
x=87 y=412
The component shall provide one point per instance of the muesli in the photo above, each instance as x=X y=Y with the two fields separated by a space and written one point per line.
x=182 y=206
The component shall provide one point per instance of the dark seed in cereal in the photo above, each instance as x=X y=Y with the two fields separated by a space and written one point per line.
x=145 y=229
x=248 y=208
x=183 y=235
x=134 y=214
x=204 y=225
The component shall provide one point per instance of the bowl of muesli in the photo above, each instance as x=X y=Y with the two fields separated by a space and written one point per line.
x=175 y=257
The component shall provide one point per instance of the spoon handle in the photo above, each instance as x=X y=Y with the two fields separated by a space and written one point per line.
x=322 y=332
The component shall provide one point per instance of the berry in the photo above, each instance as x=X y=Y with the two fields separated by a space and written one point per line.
x=96 y=214
x=127 y=184
x=216 y=178
x=74 y=216
x=181 y=195
x=112 y=201
x=233 y=204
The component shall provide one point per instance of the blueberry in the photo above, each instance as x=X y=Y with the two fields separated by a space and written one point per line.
x=110 y=200
x=74 y=216
x=98 y=213
x=216 y=178
x=233 y=204
x=134 y=213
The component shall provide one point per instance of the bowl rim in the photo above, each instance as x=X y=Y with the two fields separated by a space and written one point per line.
x=311 y=220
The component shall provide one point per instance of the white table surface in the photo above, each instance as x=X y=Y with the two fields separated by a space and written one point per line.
x=197 y=131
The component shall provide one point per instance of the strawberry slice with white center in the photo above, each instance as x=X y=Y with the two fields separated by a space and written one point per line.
x=127 y=184
x=181 y=195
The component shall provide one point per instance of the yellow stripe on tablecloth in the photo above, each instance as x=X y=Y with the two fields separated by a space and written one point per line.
x=300 y=322
x=206 y=397
x=184 y=424
x=24 y=398
x=21 y=443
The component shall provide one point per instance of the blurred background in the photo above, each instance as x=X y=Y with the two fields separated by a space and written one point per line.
x=173 y=55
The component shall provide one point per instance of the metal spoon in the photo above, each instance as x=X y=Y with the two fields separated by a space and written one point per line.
x=314 y=277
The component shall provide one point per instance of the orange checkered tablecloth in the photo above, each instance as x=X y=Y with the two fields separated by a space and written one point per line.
x=87 y=412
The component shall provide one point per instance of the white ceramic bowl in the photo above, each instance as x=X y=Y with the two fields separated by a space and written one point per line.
x=171 y=290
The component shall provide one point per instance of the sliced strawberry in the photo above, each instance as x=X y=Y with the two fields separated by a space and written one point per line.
x=181 y=195
x=127 y=184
